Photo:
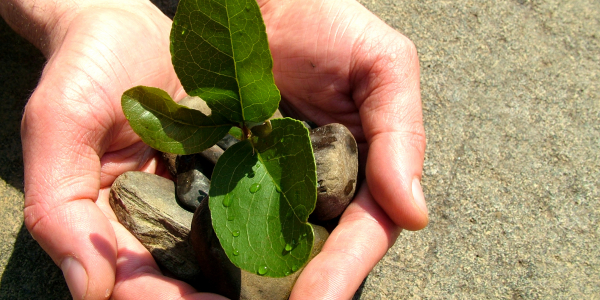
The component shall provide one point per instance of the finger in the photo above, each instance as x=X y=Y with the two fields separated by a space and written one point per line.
x=389 y=101
x=138 y=276
x=361 y=239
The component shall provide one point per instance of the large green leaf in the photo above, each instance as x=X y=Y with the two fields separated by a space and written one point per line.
x=220 y=52
x=261 y=197
x=168 y=126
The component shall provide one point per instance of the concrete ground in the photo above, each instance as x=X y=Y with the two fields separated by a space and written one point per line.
x=511 y=102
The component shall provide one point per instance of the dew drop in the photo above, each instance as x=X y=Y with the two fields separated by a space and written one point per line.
x=289 y=215
x=175 y=22
x=287 y=273
x=183 y=32
x=278 y=189
x=288 y=247
x=227 y=201
x=262 y=270
x=301 y=212
x=254 y=188
x=294 y=268
x=230 y=218
x=236 y=253
x=236 y=233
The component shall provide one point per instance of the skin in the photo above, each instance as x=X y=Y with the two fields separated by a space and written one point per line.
x=333 y=61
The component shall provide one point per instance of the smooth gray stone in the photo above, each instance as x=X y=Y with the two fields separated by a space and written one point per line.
x=224 y=278
x=145 y=204
x=336 y=155
x=212 y=154
x=192 y=188
x=227 y=142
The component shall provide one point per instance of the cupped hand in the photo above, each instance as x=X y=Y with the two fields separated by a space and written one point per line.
x=333 y=62
x=76 y=141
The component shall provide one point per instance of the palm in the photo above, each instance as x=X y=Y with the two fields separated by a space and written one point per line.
x=313 y=59
x=119 y=50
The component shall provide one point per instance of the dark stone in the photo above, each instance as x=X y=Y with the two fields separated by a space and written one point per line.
x=196 y=161
x=227 y=142
x=212 y=154
x=224 y=278
x=192 y=188
x=145 y=204
x=336 y=155
x=170 y=160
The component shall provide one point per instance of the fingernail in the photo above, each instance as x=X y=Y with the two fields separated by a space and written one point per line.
x=418 y=196
x=76 y=277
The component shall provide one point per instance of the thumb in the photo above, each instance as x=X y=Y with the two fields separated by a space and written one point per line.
x=388 y=97
x=62 y=179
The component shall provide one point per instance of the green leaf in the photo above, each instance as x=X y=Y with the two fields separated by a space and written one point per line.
x=261 y=197
x=236 y=132
x=169 y=127
x=220 y=52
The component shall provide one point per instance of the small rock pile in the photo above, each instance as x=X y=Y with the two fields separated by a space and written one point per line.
x=172 y=219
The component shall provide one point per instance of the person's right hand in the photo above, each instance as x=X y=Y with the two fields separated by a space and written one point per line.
x=76 y=141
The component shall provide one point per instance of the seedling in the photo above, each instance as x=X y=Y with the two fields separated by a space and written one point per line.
x=262 y=188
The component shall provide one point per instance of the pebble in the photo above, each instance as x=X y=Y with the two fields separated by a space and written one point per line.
x=192 y=188
x=145 y=204
x=336 y=156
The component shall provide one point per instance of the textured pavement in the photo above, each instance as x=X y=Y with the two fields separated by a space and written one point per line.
x=511 y=102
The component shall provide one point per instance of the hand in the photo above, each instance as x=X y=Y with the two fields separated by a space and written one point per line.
x=76 y=141
x=336 y=62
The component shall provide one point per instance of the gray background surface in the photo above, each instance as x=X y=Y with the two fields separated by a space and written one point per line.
x=511 y=102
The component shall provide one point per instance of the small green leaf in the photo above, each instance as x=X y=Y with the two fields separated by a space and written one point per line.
x=236 y=132
x=260 y=198
x=220 y=52
x=169 y=127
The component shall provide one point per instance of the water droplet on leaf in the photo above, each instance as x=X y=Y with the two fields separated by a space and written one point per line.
x=254 y=188
x=288 y=247
x=301 y=212
x=236 y=233
x=230 y=218
x=278 y=189
x=227 y=201
x=262 y=270
x=236 y=253
x=289 y=214
x=295 y=268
